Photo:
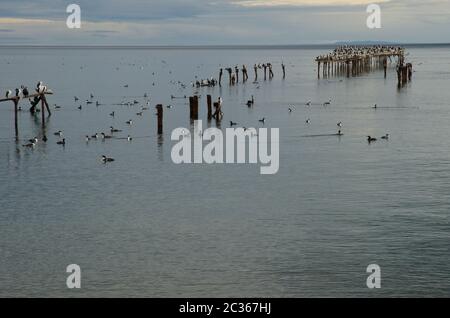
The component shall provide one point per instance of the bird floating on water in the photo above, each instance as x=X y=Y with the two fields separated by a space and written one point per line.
x=385 y=137
x=371 y=139
x=8 y=93
x=262 y=120
x=106 y=159
x=62 y=142
x=58 y=133
x=130 y=122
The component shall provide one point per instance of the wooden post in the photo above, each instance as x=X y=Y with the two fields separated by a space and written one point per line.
x=16 y=122
x=318 y=69
x=43 y=111
x=209 y=105
x=195 y=108
x=159 y=109
x=191 y=107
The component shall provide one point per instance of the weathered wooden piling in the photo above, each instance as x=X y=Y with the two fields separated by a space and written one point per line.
x=159 y=113
x=193 y=107
x=209 y=105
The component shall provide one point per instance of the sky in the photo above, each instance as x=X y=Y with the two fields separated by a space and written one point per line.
x=221 y=22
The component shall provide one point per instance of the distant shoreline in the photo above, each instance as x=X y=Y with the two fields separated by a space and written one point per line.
x=219 y=47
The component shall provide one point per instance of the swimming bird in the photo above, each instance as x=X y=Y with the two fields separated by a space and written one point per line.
x=33 y=140
x=80 y=107
x=327 y=103
x=129 y=138
x=290 y=110
x=58 y=133
x=370 y=139
x=169 y=106
x=251 y=102
x=62 y=142
x=375 y=107
x=308 y=103
x=308 y=121
x=88 y=102
x=232 y=123
x=87 y=138
x=385 y=137
x=76 y=98
x=106 y=159
x=106 y=136
x=340 y=133
x=139 y=114
x=95 y=136
x=262 y=120
x=97 y=103
x=130 y=122
x=339 y=124
x=112 y=114
x=113 y=130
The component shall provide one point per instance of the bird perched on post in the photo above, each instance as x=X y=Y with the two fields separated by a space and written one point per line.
x=25 y=91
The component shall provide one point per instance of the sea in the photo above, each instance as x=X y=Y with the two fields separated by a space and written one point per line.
x=143 y=226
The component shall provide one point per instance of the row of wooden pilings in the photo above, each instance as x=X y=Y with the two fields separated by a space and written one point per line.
x=353 y=66
x=404 y=73
x=193 y=111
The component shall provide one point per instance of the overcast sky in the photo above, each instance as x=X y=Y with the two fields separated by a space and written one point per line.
x=221 y=22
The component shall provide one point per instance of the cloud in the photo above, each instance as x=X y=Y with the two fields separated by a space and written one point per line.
x=299 y=3
x=221 y=22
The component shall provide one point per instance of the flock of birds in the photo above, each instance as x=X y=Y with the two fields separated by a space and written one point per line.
x=343 y=52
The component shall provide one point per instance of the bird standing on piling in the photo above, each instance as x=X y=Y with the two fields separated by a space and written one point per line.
x=25 y=91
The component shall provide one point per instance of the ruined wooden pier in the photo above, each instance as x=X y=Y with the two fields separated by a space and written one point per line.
x=38 y=97
x=355 y=60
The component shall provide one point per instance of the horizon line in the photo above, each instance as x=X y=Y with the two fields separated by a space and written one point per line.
x=221 y=46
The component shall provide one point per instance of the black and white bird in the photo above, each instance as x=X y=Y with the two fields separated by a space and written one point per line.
x=308 y=121
x=58 y=133
x=129 y=122
x=106 y=136
x=232 y=123
x=112 y=114
x=62 y=142
x=129 y=138
x=262 y=120
x=251 y=102
x=114 y=130
x=371 y=139
x=106 y=159
x=339 y=124
x=385 y=137
x=25 y=91
x=8 y=93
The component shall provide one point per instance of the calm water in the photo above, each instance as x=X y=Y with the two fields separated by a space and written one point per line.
x=143 y=226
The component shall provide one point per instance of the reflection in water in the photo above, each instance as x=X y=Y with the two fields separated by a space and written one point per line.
x=160 y=143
